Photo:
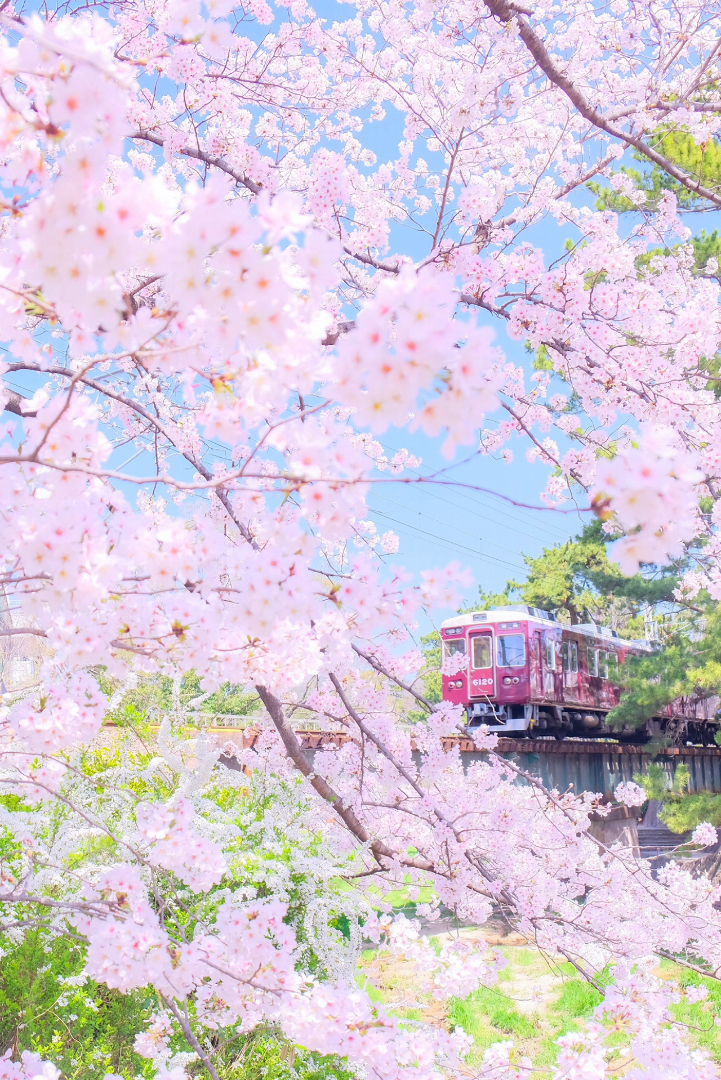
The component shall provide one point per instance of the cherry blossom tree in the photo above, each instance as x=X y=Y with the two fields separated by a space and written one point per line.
x=210 y=274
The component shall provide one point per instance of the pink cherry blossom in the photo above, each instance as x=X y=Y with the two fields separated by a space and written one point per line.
x=630 y=794
x=704 y=834
x=220 y=287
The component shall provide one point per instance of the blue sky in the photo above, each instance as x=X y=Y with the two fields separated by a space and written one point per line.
x=484 y=532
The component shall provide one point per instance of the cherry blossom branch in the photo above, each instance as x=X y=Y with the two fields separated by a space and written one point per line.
x=387 y=753
x=322 y=787
x=213 y=482
x=508 y=13
x=382 y=670
x=253 y=187
x=704 y=971
x=205 y=157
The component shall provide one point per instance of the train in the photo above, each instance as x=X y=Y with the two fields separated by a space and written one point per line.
x=521 y=672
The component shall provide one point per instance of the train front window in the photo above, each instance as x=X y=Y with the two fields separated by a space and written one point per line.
x=511 y=650
x=482 y=651
x=453 y=647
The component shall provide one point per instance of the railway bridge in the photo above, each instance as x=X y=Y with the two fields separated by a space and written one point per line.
x=581 y=764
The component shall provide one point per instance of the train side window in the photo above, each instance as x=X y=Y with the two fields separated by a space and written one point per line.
x=511 y=650
x=612 y=666
x=574 y=655
x=550 y=654
x=592 y=660
x=603 y=665
x=566 y=656
x=453 y=647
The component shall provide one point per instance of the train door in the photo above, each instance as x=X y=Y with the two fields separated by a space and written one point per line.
x=535 y=665
x=481 y=665
x=548 y=653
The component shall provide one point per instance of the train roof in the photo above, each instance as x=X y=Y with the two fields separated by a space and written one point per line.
x=539 y=617
x=496 y=615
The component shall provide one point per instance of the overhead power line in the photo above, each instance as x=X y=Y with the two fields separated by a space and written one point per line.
x=449 y=543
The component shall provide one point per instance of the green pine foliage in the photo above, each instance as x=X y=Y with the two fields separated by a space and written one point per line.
x=578 y=582
x=687 y=665
x=701 y=162
x=682 y=810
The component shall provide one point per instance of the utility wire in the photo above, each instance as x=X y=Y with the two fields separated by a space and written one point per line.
x=449 y=543
x=422 y=513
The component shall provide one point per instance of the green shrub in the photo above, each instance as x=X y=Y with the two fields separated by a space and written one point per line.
x=86 y=1029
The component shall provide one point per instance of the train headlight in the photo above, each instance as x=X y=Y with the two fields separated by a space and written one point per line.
x=507 y=680
x=516 y=679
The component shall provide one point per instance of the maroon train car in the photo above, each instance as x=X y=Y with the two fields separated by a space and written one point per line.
x=522 y=672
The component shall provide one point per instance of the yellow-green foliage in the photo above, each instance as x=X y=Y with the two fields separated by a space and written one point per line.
x=682 y=810
x=685 y=812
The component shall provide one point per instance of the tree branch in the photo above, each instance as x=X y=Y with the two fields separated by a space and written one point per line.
x=189 y=1035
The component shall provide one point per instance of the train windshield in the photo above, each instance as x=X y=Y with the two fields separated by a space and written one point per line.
x=453 y=647
x=511 y=650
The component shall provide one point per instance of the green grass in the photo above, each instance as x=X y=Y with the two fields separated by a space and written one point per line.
x=577 y=998
x=702 y=1033
x=488 y=1013
x=564 y=1003
x=491 y=1014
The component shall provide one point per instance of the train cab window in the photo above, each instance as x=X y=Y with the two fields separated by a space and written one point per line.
x=550 y=654
x=482 y=651
x=453 y=647
x=511 y=650
x=603 y=665
x=592 y=660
